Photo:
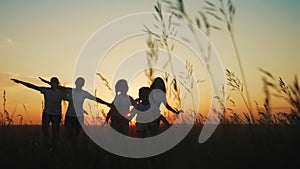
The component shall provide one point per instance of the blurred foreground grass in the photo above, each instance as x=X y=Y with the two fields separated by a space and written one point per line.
x=231 y=146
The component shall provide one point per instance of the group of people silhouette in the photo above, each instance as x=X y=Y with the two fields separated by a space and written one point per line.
x=146 y=108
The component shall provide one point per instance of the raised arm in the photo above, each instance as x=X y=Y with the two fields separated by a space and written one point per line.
x=29 y=85
x=45 y=81
x=49 y=83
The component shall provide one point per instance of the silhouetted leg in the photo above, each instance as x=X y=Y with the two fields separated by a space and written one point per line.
x=45 y=124
x=68 y=132
x=68 y=127
x=55 y=120
x=78 y=127
x=45 y=130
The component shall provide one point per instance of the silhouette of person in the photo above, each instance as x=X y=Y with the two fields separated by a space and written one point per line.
x=75 y=113
x=142 y=112
x=146 y=114
x=53 y=97
x=118 y=114
x=156 y=98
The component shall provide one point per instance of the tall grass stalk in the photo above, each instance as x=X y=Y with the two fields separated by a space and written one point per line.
x=20 y=119
x=164 y=41
x=4 y=107
x=236 y=85
x=152 y=56
x=288 y=92
x=1 y=119
x=201 y=21
x=222 y=12
x=27 y=115
x=177 y=8
x=188 y=82
x=99 y=110
x=227 y=12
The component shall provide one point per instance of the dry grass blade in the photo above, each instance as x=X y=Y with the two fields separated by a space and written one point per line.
x=215 y=27
x=296 y=84
x=20 y=119
x=180 y=6
x=206 y=23
x=188 y=82
x=214 y=15
x=236 y=85
x=248 y=118
x=198 y=23
x=209 y=9
x=163 y=40
x=1 y=119
x=152 y=56
x=158 y=10
x=210 y=4
x=105 y=81
x=290 y=93
x=266 y=73
x=167 y=2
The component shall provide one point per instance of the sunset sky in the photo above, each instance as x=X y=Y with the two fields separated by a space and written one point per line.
x=44 y=38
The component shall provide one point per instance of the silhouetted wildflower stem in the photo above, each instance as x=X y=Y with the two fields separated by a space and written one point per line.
x=223 y=12
x=164 y=42
x=227 y=10
x=248 y=102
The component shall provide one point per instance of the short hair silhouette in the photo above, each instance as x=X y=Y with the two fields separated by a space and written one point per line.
x=121 y=86
x=79 y=82
x=54 y=81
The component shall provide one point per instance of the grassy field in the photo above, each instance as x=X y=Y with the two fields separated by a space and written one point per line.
x=231 y=146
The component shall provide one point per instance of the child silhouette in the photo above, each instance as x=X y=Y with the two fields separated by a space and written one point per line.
x=156 y=98
x=118 y=114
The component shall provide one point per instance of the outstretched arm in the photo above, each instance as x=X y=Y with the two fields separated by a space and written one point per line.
x=164 y=120
x=66 y=90
x=108 y=116
x=171 y=109
x=91 y=97
x=102 y=102
x=49 y=83
x=29 y=85
x=133 y=102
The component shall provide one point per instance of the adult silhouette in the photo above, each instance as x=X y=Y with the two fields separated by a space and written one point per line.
x=53 y=97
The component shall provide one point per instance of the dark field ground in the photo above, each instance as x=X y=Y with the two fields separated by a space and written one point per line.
x=231 y=146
